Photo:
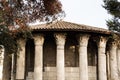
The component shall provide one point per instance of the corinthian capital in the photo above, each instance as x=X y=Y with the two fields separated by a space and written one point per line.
x=83 y=39
x=102 y=41
x=21 y=42
x=39 y=39
x=60 y=38
x=113 y=44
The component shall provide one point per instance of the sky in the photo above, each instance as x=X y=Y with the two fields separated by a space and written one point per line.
x=88 y=12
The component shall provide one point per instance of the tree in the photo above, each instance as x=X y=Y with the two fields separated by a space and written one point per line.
x=20 y=12
x=30 y=10
x=113 y=8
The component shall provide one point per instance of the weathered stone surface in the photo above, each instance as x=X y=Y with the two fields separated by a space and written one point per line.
x=83 y=62
x=20 y=67
x=102 y=74
x=113 y=62
x=38 y=67
x=60 y=41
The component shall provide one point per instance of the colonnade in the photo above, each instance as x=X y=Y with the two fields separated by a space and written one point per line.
x=60 y=61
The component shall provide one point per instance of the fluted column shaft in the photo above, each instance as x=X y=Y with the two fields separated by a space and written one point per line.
x=83 y=62
x=113 y=62
x=102 y=59
x=38 y=66
x=60 y=41
x=108 y=65
x=12 y=67
x=20 y=67
x=1 y=62
x=118 y=60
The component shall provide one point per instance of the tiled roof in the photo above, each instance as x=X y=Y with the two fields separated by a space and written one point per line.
x=68 y=26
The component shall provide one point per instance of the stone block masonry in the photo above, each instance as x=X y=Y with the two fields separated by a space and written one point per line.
x=71 y=73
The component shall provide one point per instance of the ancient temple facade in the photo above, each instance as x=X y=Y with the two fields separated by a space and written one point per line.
x=66 y=51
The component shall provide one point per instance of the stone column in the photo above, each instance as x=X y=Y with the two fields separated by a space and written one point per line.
x=113 y=62
x=83 y=61
x=12 y=67
x=108 y=65
x=118 y=60
x=38 y=66
x=60 y=41
x=1 y=61
x=102 y=75
x=20 y=67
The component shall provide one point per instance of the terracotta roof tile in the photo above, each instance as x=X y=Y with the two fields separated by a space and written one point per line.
x=68 y=26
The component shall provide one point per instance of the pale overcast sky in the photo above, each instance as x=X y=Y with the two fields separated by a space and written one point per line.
x=88 y=12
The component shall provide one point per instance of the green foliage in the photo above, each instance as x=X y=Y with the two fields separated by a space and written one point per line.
x=113 y=24
x=7 y=40
x=113 y=8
